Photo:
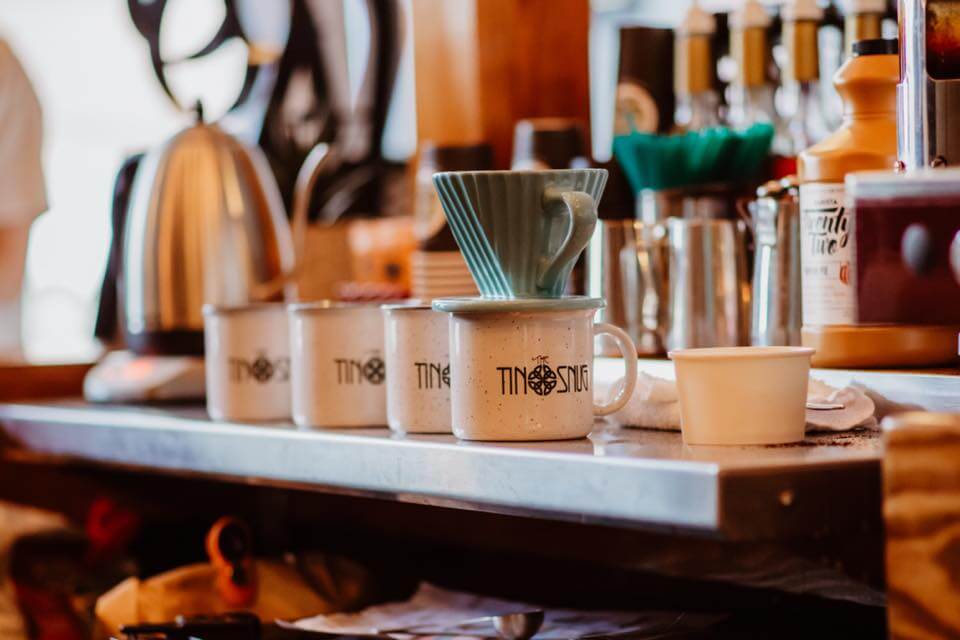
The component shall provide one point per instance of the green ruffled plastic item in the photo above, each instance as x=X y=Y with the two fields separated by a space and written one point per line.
x=714 y=155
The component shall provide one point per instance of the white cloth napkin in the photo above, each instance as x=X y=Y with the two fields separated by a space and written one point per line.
x=858 y=409
x=434 y=609
x=655 y=404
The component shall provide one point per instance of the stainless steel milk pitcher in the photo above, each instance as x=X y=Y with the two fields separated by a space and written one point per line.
x=709 y=294
x=627 y=266
x=680 y=283
x=774 y=218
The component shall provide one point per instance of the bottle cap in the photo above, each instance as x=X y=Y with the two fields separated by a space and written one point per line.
x=749 y=15
x=876 y=47
x=853 y=7
x=797 y=10
x=697 y=22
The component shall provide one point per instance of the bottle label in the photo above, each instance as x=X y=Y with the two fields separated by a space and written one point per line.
x=827 y=255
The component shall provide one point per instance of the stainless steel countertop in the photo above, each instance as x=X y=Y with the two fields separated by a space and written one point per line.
x=625 y=477
x=628 y=477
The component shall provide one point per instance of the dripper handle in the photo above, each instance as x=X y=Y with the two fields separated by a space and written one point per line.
x=582 y=210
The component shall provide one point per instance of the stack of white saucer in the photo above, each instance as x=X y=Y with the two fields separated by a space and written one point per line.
x=440 y=274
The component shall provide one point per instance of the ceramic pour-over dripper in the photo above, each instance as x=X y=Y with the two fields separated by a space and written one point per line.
x=521 y=231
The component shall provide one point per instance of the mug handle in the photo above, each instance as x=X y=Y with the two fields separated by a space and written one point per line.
x=626 y=384
x=583 y=218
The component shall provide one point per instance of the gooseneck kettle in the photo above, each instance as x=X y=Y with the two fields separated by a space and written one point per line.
x=202 y=222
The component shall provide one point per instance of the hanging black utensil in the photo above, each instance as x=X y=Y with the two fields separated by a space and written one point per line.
x=147 y=17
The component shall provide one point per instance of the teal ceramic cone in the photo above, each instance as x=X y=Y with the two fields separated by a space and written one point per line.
x=521 y=231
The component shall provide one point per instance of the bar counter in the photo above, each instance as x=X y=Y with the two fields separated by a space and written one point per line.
x=635 y=478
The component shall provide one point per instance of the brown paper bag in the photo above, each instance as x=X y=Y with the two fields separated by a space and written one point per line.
x=319 y=585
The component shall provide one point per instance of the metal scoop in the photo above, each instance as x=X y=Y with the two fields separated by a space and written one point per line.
x=824 y=406
x=521 y=625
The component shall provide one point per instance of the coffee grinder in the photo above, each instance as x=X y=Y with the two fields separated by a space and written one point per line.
x=928 y=96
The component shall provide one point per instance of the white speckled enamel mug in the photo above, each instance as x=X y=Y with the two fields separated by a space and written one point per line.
x=522 y=369
x=418 y=369
x=337 y=366
x=247 y=362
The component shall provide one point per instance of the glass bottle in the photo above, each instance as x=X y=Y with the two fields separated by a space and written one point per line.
x=749 y=95
x=862 y=20
x=697 y=102
x=799 y=100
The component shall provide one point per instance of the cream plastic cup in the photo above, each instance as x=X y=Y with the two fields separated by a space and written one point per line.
x=742 y=395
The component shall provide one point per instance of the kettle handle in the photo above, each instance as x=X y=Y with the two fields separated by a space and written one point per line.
x=230 y=550
x=107 y=328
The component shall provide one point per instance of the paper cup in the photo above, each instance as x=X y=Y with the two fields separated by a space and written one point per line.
x=742 y=395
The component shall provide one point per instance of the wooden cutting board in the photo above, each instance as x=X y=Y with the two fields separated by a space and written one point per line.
x=19 y=381
x=921 y=507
